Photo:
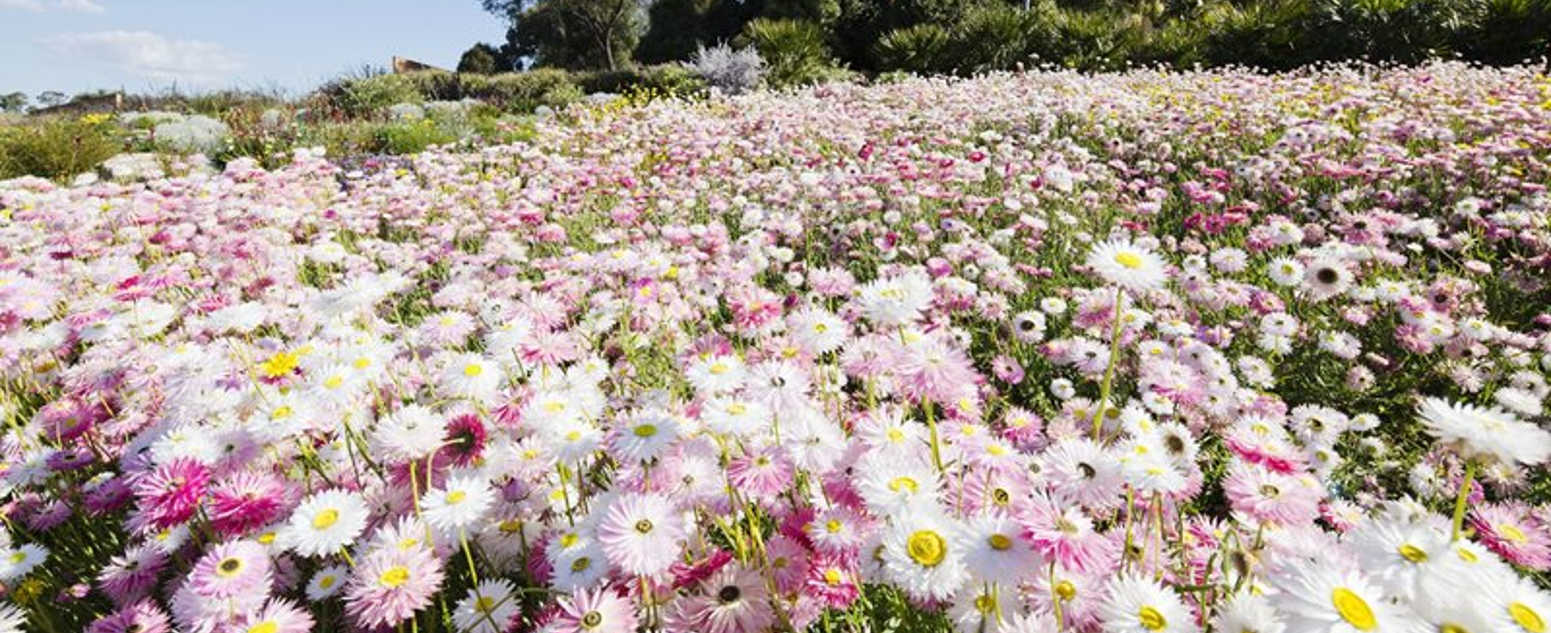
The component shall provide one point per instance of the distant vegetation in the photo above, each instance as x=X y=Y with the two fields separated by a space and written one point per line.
x=807 y=40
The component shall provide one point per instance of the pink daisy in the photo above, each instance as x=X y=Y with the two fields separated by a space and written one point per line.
x=735 y=601
x=832 y=580
x=763 y=475
x=641 y=533
x=170 y=493
x=1510 y=530
x=594 y=611
x=231 y=569
x=130 y=576
x=141 y=617
x=246 y=501
x=391 y=584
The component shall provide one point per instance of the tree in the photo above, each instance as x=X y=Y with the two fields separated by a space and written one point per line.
x=51 y=98
x=13 y=102
x=571 y=33
x=483 y=59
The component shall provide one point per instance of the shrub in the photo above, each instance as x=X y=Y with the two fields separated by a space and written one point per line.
x=410 y=138
x=999 y=37
x=1509 y=31
x=57 y=148
x=922 y=48
x=729 y=70
x=361 y=97
x=793 y=50
x=517 y=92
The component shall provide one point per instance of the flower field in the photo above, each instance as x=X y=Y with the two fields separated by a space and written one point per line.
x=1134 y=353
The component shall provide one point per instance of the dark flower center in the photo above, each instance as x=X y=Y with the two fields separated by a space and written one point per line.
x=729 y=594
x=1327 y=275
x=643 y=526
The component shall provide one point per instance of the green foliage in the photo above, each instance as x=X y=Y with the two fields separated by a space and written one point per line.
x=412 y=137
x=922 y=48
x=57 y=148
x=483 y=59
x=999 y=37
x=357 y=98
x=793 y=50
x=1509 y=32
x=13 y=102
x=576 y=34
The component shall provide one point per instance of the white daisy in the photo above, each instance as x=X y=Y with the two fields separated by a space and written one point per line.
x=458 y=504
x=994 y=552
x=1321 y=598
x=1128 y=265
x=919 y=556
x=1139 y=605
x=488 y=607
x=325 y=523
x=327 y=582
x=1478 y=432
x=471 y=376
x=409 y=434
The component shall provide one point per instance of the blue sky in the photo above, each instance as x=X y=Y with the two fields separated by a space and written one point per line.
x=149 y=45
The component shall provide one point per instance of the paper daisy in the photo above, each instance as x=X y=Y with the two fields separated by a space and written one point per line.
x=1127 y=265
x=325 y=523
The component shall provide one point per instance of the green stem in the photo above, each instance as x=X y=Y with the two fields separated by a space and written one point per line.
x=1459 y=502
x=931 y=426
x=1109 y=370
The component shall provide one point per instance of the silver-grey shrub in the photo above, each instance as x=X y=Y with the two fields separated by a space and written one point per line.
x=729 y=70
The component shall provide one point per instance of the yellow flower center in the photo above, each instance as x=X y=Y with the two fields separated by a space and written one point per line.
x=832 y=526
x=1450 y=627
x=1412 y=553
x=736 y=408
x=1065 y=590
x=18 y=557
x=592 y=619
x=896 y=436
x=903 y=483
x=985 y=604
x=362 y=363
x=645 y=430
x=266 y=538
x=510 y=526
x=1527 y=618
x=326 y=582
x=333 y=382
x=1151 y=619
x=484 y=604
x=1129 y=260
x=926 y=548
x=832 y=576
x=229 y=567
x=325 y=519
x=394 y=577
x=554 y=406
x=1466 y=555
x=457 y=496
x=999 y=542
x=581 y=564
x=1512 y=533
x=281 y=412
x=267 y=626
x=280 y=364
x=718 y=369
x=473 y=369
x=1353 y=609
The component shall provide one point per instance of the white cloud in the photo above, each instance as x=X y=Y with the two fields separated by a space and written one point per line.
x=83 y=6
x=147 y=54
